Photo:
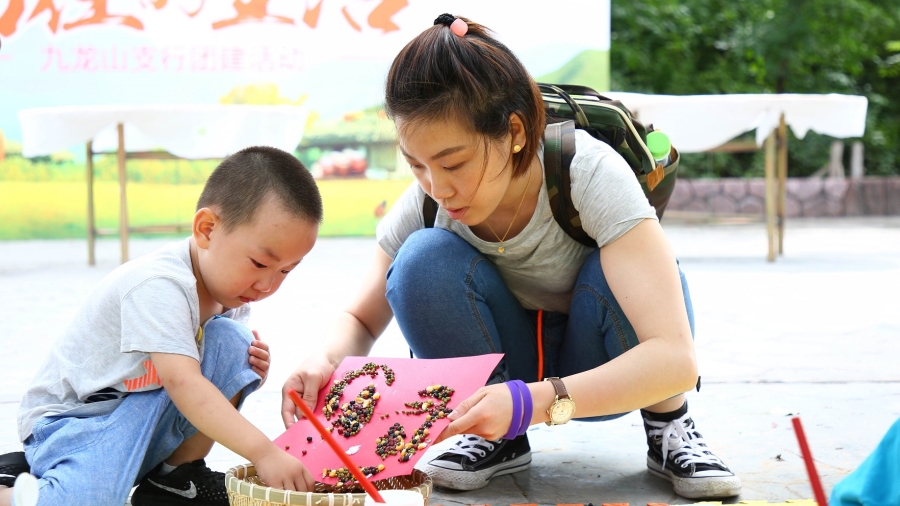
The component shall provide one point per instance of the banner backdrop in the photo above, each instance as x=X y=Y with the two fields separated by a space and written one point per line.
x=331 y=56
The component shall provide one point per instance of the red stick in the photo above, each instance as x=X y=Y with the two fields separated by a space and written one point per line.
x=810 y=465
x=366 y=484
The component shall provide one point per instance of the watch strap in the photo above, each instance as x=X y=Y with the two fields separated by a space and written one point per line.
x=561 y=392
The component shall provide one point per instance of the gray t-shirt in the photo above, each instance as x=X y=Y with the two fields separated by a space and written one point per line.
x=541 y=264
x=149 y=304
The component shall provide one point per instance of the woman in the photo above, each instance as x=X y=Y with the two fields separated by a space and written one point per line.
x=496 y=273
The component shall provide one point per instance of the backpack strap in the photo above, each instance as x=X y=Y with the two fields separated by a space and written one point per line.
x=559 y=150
x=429 y=211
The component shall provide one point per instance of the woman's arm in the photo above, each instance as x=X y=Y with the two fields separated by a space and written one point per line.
x=355 y=331
x=642 y=273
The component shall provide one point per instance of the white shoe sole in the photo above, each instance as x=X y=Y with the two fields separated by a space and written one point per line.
x=473 y=480
x=25 y=490
x=697 y=488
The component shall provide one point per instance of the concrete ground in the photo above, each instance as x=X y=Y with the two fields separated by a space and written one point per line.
x=816 y=333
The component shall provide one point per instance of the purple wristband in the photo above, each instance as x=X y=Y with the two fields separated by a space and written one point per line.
x=516 y=421
x=527 y=406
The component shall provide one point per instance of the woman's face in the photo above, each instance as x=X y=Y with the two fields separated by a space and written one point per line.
x=452 y=165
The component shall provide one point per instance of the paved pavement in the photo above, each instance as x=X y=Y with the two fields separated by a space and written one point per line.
x=816 y=333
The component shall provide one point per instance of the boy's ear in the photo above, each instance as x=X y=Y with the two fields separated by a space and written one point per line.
x=205 y=221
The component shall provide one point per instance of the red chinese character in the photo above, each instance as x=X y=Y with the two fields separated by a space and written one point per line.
x=16 y=8
x=380 y=17
x=262 y=60
x=111 y=60
x=144 y=56
x=173 y=58
x=192 y=13
x=203 y=58
x=311 y=16
x=353 y=24
x=99 y=16
x=289 y=59
x=233 y=58
x=54 y=53
x=86 y=59
x=252 y=11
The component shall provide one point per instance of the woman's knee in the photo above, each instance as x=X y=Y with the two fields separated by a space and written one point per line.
x=591 y=274
x=429 y=257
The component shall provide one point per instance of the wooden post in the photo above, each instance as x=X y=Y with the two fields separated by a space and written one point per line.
x=123 y=203
x=91 y=226
x=770 y=193
x=782 y=180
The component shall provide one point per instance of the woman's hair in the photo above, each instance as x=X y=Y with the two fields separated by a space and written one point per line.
x=473 y=78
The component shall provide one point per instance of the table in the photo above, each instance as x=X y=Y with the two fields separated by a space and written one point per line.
x=155 y=132
x=699 y=123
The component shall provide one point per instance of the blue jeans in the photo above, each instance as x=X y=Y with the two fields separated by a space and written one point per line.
x=98 y=459
x=450 y=301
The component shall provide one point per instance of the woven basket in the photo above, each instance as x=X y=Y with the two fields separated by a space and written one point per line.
x=245 y=489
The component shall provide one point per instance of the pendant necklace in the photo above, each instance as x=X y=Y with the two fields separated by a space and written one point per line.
x=501 y=248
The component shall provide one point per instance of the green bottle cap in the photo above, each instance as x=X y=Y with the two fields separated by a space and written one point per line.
x=659 y=144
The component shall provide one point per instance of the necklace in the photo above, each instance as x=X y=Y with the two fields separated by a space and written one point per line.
x=501 y=248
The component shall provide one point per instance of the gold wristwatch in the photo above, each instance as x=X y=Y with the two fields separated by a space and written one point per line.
x=563 y=408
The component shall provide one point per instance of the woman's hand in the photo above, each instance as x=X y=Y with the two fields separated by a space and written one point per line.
x=312 y=375
x=487 y=413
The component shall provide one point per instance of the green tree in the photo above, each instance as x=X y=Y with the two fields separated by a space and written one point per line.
x=766 y=46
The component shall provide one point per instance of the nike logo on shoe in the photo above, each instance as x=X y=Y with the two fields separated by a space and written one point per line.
x=190 y=493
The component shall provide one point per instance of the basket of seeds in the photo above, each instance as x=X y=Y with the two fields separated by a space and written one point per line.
x=246 y=489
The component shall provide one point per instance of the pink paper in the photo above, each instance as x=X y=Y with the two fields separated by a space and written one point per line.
x=465 y=375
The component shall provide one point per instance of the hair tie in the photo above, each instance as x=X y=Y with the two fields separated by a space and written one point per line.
x=456 y=25
x=445 y=19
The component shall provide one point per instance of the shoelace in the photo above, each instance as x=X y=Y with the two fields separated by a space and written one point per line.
x=686 y=447
x=470 y=446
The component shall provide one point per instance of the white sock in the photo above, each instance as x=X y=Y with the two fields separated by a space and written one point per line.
x=165 y=469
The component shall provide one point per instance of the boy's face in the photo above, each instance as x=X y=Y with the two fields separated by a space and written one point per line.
x=250 y=261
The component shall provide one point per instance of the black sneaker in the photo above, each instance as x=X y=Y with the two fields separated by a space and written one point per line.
x=188 y=484
x=694 y=470
x=474 y=461
x=11 y=466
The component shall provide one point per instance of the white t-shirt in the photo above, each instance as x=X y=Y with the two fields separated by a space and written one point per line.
x=149 y=304
x=541 y=264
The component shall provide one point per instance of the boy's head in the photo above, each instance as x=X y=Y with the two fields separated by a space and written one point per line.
x=257 y=217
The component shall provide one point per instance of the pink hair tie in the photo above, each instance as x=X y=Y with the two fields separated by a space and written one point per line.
x=459 y=27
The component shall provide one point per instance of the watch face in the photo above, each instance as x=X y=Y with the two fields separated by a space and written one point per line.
x=562 y=411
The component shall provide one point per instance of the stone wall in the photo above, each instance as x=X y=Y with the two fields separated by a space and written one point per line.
x=809 y=197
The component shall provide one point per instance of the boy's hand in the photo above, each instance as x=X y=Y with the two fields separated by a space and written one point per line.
x=279 y=469
x=312 y=375
x=259 y=357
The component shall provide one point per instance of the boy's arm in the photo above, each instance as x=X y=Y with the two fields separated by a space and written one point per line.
x=213 y=415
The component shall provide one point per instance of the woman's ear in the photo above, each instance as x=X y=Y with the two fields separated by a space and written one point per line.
x=205 y=221
x=517 y=131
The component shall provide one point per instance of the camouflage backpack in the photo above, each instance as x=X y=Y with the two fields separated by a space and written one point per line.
x=606 y=120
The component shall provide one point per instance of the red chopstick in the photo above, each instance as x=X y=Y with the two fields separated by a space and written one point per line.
x=366 y=484
x=810 y=465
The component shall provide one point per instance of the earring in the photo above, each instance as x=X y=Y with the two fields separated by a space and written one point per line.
x=517 y=148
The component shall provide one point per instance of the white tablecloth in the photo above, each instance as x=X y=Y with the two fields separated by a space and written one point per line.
x=696 y=123
x=187 y=131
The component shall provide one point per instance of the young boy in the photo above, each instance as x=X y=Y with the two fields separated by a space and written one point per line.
x=150 y=372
